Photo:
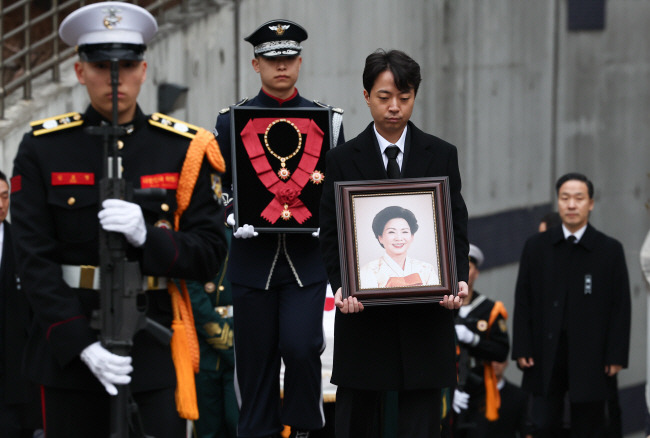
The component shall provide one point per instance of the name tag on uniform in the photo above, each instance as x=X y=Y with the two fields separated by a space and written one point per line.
x=160 y=181
x=587 y=284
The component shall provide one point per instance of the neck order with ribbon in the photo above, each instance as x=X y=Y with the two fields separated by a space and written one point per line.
x=285 y=186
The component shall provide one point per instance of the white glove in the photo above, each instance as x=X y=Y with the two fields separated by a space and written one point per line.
x=465 y=335
x=460 y=402
x=110 y=369
x=126 y=218
x=244 y=232
x=316 y=233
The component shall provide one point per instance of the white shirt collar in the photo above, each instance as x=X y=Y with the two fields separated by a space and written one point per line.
x=383 y=144
x=578 y=233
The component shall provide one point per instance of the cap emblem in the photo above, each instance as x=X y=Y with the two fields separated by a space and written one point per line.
x=112 y=19
x=280 y=28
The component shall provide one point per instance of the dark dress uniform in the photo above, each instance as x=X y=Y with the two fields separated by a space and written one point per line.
x=420 y=338
x=492 y=345
x=19 y=402
x=278 y=285
x=513 y=419
x=215 y=385
x=572 y=316
x=55 y=204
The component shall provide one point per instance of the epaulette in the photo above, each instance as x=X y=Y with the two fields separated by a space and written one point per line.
x=56 y=123
x=324 y=105
x=241 y=102
x=174 y=125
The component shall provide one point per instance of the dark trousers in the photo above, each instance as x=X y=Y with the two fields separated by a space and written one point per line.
x=285 y=321
x=83 y=414
x=218 y=410
x=359 y=413
x=588 y=420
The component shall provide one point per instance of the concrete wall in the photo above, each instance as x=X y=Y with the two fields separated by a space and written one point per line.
x=524 y=99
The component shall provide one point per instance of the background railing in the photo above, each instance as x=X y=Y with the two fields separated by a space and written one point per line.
x=29 y=41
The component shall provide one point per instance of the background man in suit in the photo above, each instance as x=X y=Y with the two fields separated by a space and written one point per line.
x=572 y=315
x=19 y=404
x=408 y=348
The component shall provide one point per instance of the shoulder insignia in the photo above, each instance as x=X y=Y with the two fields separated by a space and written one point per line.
x=227 y=109
x=56 y=123
x=173 y=125
x=324 y=105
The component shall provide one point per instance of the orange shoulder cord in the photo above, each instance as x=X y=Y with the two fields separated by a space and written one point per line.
x=185 y=344
x=492 y=396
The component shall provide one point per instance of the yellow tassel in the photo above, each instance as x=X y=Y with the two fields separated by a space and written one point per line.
x=186 y=403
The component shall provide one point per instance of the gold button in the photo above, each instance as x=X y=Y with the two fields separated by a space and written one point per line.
x=164 y=207
x=120 y=144
x=221 y=288
x=71 y=200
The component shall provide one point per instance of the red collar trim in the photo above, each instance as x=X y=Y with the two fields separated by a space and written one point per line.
x=281 y=101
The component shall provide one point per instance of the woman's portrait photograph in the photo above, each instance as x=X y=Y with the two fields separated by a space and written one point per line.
x=396 y=240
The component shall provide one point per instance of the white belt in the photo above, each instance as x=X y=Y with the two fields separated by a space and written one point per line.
x=87 y=277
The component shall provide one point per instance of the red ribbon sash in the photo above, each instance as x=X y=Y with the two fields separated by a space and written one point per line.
x=286 y=192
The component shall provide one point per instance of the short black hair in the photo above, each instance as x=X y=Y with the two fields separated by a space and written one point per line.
x=393 y=212
x=575 y=176
x=3 y=177
x=404 y=69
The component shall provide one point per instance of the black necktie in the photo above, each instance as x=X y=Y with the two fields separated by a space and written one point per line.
x=572 y=239
x=393 y=168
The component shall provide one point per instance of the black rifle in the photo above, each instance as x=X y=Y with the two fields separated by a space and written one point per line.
x=122 y=302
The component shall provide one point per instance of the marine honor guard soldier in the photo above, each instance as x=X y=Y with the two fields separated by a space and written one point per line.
x=482 y=333
x=278 y=280
x=56 y=203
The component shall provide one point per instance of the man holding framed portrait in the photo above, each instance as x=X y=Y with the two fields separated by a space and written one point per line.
x=409 y=348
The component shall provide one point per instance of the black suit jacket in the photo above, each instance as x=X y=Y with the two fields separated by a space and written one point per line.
x=513 y=416
x=400 y=346
x=14 y=323
x=551 y=285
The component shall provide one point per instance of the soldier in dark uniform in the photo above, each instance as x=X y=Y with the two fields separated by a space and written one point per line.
x=482 y=333
x=56 y=203
x=215 y=386
x=278 y=280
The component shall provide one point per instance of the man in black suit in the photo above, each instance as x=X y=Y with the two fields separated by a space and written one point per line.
x=19 y=407
x=572 y=315
x=408 y=348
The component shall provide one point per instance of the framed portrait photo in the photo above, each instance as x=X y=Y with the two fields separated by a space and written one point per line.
x=396 y=240
x=278 y=162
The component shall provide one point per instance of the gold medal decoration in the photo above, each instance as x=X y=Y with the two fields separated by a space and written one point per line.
x=286 y=213
x=317 y=177
x=283 y=173
x=482 y=325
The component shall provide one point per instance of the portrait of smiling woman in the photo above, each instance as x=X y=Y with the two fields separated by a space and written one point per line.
x=395 y=228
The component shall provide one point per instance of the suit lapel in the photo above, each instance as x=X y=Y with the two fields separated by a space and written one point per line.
x=418 y=156
x=367 y=157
